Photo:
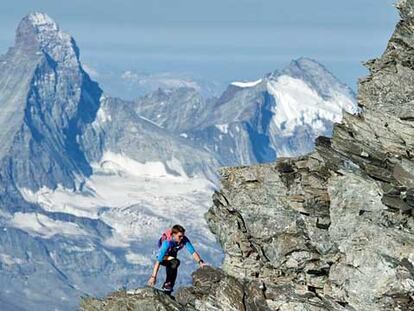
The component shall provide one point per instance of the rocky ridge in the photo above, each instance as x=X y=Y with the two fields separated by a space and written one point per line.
x=332 y=230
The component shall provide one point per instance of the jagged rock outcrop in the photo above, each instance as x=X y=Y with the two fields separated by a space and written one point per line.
x=333 y=230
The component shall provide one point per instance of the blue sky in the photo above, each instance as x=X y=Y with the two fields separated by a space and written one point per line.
x=221 y=40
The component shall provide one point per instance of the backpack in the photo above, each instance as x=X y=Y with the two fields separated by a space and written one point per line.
x=167 y=235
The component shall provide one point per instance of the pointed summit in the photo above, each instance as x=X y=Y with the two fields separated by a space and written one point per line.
x=47 y=100
x=317 y=77
x=39 y=32
x=42 y=20
x=306 y=67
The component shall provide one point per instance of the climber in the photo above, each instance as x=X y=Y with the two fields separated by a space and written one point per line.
x=169 y=244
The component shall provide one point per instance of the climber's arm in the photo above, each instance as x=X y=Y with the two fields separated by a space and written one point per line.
x=163 y=251
x=193 y=252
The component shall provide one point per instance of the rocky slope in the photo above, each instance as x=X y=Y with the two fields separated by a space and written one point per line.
x=333 y=230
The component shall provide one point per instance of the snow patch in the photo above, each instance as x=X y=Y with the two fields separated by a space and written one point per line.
x=9 y=260
x=175 y=165
x=41 y=225
x=137 y=200
x=297 y=105
x=246 y=84
x=102 y=116
x=224 y=128
x=116 y=163
x=150 y=121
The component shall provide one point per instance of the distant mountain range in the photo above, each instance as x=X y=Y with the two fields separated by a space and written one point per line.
x=88 y=181
x=278 y=115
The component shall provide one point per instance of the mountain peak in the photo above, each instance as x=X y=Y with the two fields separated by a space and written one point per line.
x=39 y=32
x=42 y=21
x=317 y=77
x=305 y=64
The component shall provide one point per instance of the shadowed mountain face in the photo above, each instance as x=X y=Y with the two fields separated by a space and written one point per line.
x=332 y=230
x=47 y=100
x=87 y=181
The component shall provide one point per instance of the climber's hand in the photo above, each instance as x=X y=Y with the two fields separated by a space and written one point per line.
x=152 y=280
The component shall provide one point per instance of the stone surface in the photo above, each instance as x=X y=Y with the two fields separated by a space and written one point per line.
x=146 y=299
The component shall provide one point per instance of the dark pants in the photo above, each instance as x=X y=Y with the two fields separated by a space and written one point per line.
x=172 y=269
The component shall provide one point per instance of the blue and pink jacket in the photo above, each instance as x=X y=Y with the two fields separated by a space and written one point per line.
x=171 y=247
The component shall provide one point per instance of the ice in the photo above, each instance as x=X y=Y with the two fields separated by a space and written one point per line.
x=43 y=226
x=138 y=200
x=150 y=121
x=298 y=104
x=224 y=128
x=9 y=260
x=176 y=167
x=246 y=84
x=121 y=163
x=102 y=116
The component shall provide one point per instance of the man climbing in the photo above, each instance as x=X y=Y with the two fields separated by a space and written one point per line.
x=170 y=243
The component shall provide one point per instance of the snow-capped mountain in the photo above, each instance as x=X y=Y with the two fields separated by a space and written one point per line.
x=47 y=100
x=89 y=181
x=278 y=115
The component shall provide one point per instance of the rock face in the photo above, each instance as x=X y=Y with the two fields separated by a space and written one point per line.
x=47 y=100
x=333 y=230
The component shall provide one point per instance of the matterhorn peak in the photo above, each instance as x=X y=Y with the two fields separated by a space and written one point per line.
x=42 y=21
x=39 y=32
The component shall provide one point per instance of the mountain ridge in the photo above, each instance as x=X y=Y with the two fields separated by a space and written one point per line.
x=304 y=95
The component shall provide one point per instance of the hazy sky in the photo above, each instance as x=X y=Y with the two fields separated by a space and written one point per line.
x=216 y=39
